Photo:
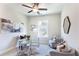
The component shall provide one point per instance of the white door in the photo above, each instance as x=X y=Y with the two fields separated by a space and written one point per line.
x=43 y=31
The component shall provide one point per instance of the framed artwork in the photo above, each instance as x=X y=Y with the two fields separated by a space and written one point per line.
x=7 y=25
x=66 y=25
x=5 y=20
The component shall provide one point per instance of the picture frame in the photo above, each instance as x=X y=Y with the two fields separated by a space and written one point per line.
x=66 y=25
x=7 y=25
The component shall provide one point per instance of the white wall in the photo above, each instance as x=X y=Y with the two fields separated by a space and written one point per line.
x=54 y=23
x=71 y=10
x=7 y=39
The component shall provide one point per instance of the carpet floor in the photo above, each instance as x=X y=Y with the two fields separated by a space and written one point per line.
x=42 y=50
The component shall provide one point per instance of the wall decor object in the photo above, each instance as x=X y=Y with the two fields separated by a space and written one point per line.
x=66 y=25
x=5 y=20
x=7 y=25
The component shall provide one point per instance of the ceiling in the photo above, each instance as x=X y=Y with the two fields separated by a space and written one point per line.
x=52 y=8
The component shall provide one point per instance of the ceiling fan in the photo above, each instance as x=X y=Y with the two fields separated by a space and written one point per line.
x=35 y=8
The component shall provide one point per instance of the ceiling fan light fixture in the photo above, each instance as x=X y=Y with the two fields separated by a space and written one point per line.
x=35 y=10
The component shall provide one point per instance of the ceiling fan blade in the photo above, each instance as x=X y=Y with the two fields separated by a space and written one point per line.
x=30 y=11
x=35 y=5
x=42 y=8
x=26 y=6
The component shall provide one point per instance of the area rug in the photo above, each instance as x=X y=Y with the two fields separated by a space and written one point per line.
x=32 y=52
